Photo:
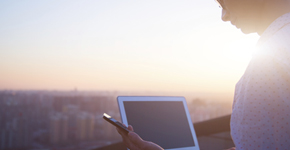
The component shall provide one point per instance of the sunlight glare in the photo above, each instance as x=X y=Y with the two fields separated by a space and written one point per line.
x=240 y=50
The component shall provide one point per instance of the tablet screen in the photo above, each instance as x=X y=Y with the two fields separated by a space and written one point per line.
x=162 y=122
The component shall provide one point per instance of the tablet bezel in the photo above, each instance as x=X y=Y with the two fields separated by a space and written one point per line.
x=122 y=99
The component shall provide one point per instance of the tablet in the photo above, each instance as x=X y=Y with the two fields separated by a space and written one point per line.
x=162 y=120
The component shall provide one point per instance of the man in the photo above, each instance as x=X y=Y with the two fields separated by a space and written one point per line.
x=262 y=96
x=261 y=109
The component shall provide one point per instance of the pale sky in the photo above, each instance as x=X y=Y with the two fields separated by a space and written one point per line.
x=129 y=45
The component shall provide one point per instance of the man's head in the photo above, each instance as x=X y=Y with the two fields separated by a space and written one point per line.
x=253 y=15
x=244 y=14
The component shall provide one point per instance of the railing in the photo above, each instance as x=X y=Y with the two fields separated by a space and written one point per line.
x=211 y=134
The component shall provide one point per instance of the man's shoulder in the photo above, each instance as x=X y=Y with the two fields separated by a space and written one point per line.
x=278 y=30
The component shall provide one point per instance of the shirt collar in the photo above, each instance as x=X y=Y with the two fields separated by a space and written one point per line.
x=275 y=26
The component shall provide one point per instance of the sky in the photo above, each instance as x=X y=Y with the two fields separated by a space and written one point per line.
x=120 y=45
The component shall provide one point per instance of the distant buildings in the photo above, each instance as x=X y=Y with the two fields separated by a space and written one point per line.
x=45 y=119
x=201 y=110
x=58 y=129
x=85 y=126
x=16 y=125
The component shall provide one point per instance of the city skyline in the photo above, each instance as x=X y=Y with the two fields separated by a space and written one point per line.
x=73 y=120
x=164 y=46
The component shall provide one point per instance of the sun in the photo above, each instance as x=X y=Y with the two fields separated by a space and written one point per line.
x=241 y=49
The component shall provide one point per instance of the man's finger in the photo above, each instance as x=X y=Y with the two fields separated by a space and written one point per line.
x=134 y=147
x=136 y=139
x=130 y=128
x=119 y=131
x=126 y=139
x=128 y=143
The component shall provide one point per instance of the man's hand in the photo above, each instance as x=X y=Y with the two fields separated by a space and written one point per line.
x=134 y=142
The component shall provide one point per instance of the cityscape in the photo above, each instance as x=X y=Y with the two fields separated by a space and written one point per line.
x=70 y=120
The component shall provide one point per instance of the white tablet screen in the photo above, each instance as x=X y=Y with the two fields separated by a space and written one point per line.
x=162 y=122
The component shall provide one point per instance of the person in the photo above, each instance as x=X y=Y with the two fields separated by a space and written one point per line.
x=261 y=109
